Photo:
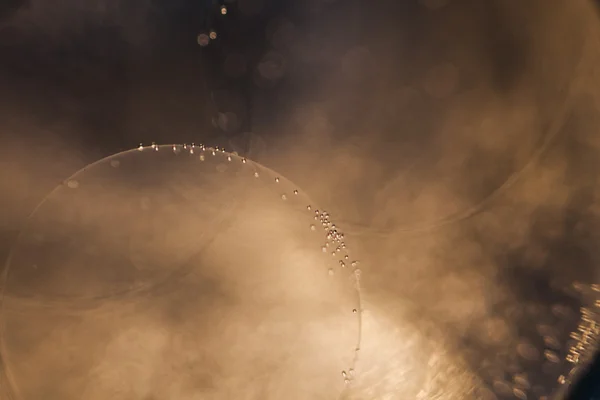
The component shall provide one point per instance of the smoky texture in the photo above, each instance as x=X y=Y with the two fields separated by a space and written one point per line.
x=456 y=142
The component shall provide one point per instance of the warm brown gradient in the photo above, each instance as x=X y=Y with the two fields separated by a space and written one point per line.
x=177 y=275
x=455 y=141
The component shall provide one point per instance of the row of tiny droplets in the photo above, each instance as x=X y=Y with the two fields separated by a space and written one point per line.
x=334 y=238
x=334 y=243
x=586 y=337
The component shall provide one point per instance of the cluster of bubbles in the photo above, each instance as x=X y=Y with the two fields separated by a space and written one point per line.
x=333 y=244
x=562 y=358
x=586 y=337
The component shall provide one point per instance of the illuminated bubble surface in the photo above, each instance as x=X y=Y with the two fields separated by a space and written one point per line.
x=179 y=272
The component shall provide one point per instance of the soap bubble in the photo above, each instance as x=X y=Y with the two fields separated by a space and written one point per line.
x=176 y=278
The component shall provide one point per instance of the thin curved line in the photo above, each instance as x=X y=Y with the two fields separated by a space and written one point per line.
x=11 y=386
x=93 y=299
x=554 y=131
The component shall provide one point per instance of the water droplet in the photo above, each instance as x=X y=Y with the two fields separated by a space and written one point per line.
x=202 y=158
x=312 y=227
x=283 y=197
x=277 y=180
x=244 y=161
x=174 y=149
x=527 y=351
x=115 y=163
x=141 y=147
x=342 y=264
x=73 y=184
x=324 y=249
x=191 y=151
x=551 y=356
x=354 y=263
x=295 y=191
x=552 y=342
x=346 y=257
x=344 y=374
x=502 y=388
x=228 y=158
x=519 y=394
x=308 y=208
x=213 y=153
x=256 y=174
x=354 y=311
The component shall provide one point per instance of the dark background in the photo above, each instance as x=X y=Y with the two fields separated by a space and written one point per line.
x=408 y=118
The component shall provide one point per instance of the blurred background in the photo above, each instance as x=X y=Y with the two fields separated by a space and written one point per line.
x=455 y=140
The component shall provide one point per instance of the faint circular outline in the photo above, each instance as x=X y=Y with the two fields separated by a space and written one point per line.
x=359 y=228
x=8 y=387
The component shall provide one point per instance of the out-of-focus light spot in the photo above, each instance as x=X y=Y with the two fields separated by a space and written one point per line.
x=213 y=34
x=502 y=388
x=228 y=121
x=223 y=10
x=551 y=356
x=527 y=351
x=272 y=66
x=203 y=39
x=282 y=34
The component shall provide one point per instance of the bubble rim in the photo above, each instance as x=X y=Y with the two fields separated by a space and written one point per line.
x=9 y=388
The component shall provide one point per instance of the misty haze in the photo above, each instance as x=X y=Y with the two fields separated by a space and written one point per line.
x=318 y=199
